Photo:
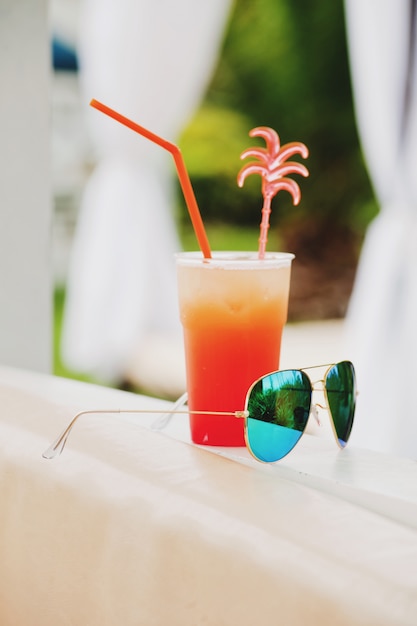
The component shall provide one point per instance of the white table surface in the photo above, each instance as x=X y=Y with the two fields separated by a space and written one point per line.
x=131 y=526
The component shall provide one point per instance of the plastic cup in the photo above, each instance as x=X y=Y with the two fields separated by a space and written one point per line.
x=233 y=308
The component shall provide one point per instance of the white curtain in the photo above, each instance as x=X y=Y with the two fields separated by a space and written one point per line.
x=382 y=317
x=151 y=61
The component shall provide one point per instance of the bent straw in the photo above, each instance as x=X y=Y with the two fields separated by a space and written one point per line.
x=184 y=178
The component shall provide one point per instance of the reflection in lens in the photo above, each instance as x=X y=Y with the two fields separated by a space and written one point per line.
x=279 y=406
x=341 y=396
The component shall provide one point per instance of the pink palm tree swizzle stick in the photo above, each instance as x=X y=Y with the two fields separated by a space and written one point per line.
x=274 y=168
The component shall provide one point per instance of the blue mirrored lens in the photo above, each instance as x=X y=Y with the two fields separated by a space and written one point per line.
x=279 y=407
x=341 y=396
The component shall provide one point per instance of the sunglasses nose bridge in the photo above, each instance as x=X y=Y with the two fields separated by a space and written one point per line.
x=320 y=382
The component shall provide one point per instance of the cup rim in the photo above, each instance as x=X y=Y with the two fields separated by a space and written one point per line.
x=234 y=258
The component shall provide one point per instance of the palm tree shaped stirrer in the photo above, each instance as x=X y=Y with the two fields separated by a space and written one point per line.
x=273 y=167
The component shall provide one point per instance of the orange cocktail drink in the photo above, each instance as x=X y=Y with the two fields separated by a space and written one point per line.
x=233 y=308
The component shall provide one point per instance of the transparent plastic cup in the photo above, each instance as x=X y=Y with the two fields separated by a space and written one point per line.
x=233 y=308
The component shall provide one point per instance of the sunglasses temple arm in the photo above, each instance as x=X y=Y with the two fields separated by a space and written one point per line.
x=57 y=447
x=162 y=421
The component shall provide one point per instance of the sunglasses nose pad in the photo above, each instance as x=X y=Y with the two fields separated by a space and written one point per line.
x=315 y=413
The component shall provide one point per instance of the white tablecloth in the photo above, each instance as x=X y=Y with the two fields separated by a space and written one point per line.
x=131 y=526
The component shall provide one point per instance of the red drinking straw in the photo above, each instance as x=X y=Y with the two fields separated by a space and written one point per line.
x=185 y=182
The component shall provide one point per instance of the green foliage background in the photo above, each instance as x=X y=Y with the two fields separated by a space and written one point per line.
x=283 y=64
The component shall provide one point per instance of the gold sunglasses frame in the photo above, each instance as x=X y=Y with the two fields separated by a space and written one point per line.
x=58 y=445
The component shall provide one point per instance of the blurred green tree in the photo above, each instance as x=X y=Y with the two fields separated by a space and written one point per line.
x=284 y=64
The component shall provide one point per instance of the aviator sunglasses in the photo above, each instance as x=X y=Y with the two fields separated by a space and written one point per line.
x=277 y=409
